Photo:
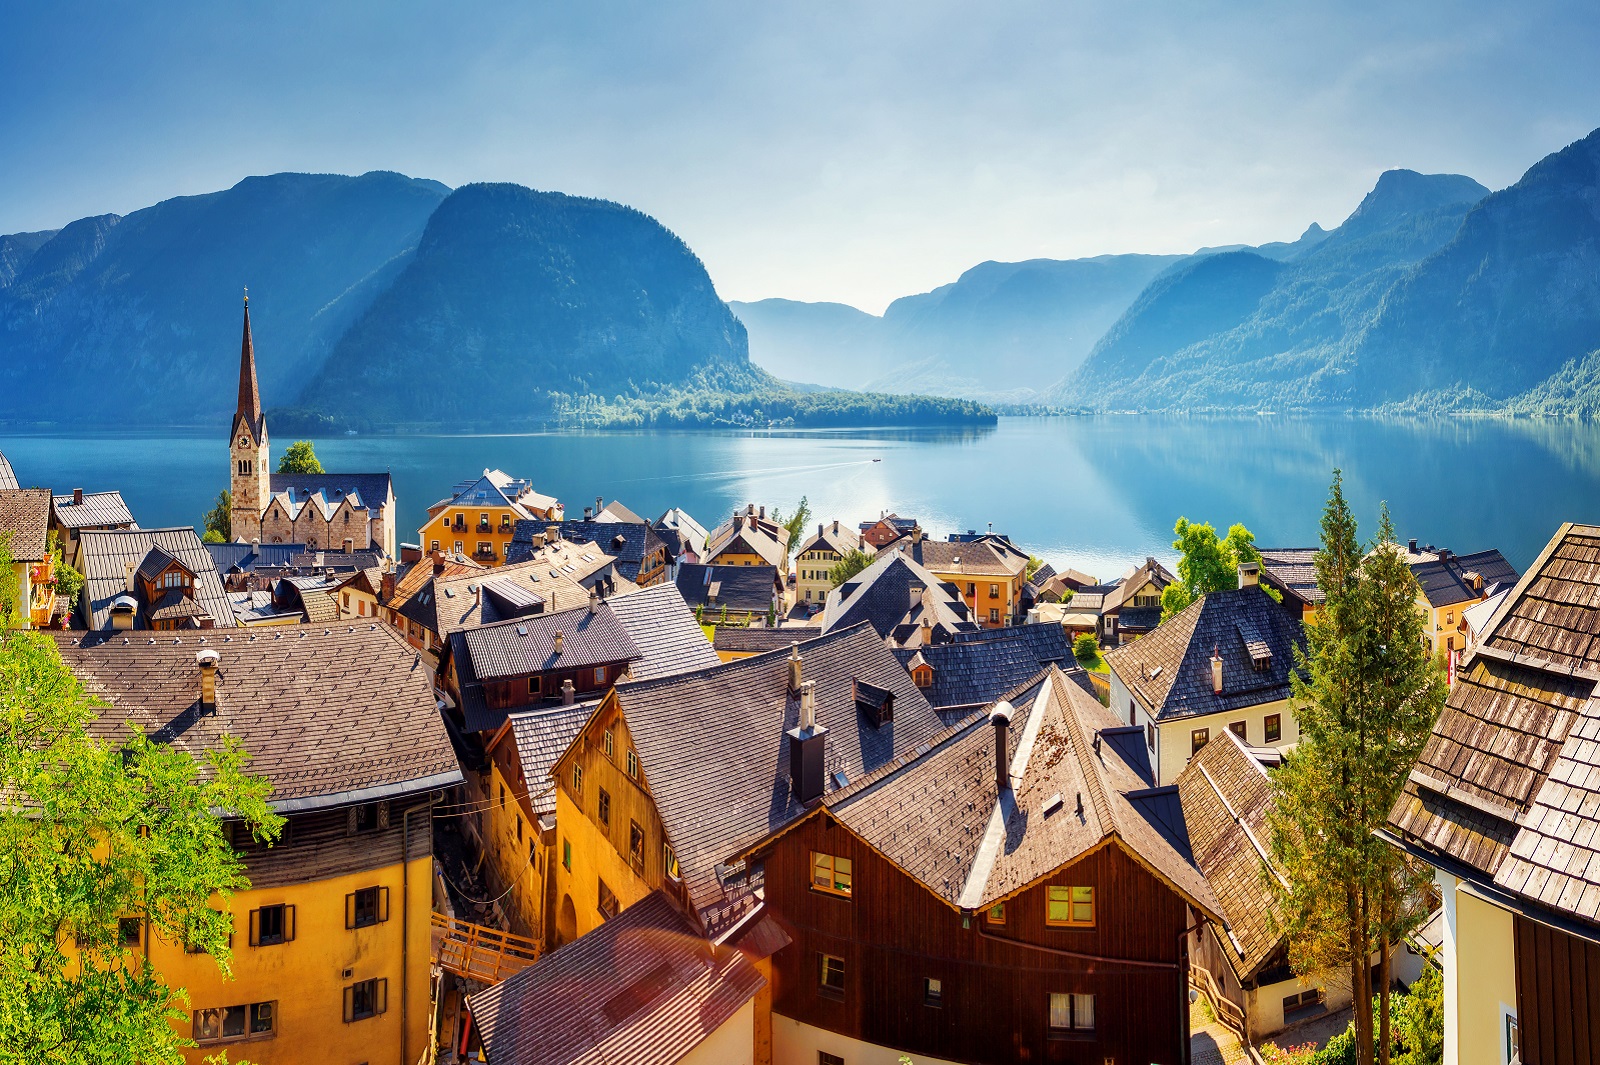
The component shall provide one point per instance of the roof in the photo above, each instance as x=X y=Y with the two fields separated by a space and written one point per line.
x=328 y=715
x=713 y=744
x=1047 y=640
x=1041 y=576
x=615 y=511
x=1132 y=581
x=747 y=588
x=833 y=536
x=108 y=552
x=974 y=673
x=1170 y=669
x=630 y=543
x=496 y=488
x=882 y=595
x=988 y=556
x=750 y=639
x=662 y=626
x=250 y=558
x=8 y=477
x=558 y=577
x=25 y=514
x=248 y=410
x=97 y=508
x=942 y=818
x=690 y=532
x=1508 y=784
x=642 y=988
x=542 y=736
x=1292 y=570
x=893 y=521
x=1227 y=796
x=156 y=562
x=326 y=491
x=746 y=538
x=1448 y=579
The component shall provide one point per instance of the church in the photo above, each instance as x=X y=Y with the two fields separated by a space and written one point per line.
x=323 y=511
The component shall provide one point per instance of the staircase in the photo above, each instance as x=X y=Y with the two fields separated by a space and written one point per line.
x=478 y=952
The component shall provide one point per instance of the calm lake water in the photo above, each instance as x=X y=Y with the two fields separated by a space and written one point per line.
x=1097 y=493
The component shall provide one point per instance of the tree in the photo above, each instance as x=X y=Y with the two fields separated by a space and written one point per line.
x=1034 y=564
x=850 y=563
x=1207 y=563
x=300 y=458
x=1085 y=648
x=68 y=581
x=218 y=521
x=94 y=833
x=1367 y=696
x=795 y=523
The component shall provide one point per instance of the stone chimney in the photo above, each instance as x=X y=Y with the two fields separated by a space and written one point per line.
x=128 y=570
x=916 y=591
x=821 y=528
x=208 y=661
x=561 y=641
x=386 y=587
x=1216 y=671
x=807 y=744
x=794 y=668
x=77 y=497
x=594 y=603
x=916 y=534
x=1000 y=718
x=763 y=512
x=568 y=693
x=1249 y=574
x=599 y=505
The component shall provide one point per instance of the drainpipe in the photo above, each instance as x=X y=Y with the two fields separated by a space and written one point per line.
x=405 y=928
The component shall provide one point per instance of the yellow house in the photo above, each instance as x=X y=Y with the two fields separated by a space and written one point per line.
x=361 y=594
x=748 y=538
x=988 y=571
x=817 y=558
x=25 y=521
x=1450 y=584
x=1222 y=663
x=1501 y=802
x=331 y=941
x=477 y=518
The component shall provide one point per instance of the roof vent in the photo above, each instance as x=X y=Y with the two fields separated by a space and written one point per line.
x=1052 y=804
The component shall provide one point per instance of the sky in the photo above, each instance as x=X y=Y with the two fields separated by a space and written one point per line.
x=814 y=151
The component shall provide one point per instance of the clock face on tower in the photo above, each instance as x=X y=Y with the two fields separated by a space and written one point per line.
x=244 y=442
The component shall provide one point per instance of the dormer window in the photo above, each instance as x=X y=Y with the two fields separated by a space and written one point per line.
x=922 y=676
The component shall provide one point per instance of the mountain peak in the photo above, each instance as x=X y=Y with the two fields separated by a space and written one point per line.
x=1403 y=193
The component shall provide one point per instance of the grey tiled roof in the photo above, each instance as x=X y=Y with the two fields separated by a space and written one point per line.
x=629 y=543
x=881 y=596
x=527 y=645
x=833 y=536
x=250 y=558
x=746 y=588
x=25 y=514
x=1047 y=640
x=542 y=735
x=987 y=557
x=374 y=489
x=643 y=988
x=1170 y=669
x=662 y=626
x=1448 y=581
x=328 y=715
x=107 y=552
x=970 y=674
x=97 y=508
x=755 y=640
x=1292 y=569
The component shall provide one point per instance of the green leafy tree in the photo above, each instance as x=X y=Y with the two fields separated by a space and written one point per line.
x=1419 y=1021
x=300 y=458
x=1367 y=695
x=218 y=521
x=850 y=563
x=1086 y=648
x=10 y=587
x=1034 y=564
x=96 y=832
x=1207 y=563
x=795 y=524
x=68 y=581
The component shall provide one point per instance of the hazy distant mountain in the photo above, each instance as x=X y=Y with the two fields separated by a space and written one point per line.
x=136 y=318
x=822 y=343
x=16 y=249
x=514 y=293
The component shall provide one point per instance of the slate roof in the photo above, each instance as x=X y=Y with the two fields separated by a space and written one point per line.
x=329 y=715
x=751 y=639
x=747 y=588
x=1170 y=669
x=97 y=508
x=1292 y=570
x=642 y=988
x=251 y=558
x=881 y=596
x=630 y=543
x=1226 y=797
x=1132 y=581
x=542 y=736
x=942 y=818
x=713 y=744
x=1047 y=640
x=106 y=553
x=833 y=536
x=974 y=673
x=373 y=489
x=25 y=514
x=496 y=488
x=1507 y=787
x=8 y=477
x=689 y=532
x=987 y=557
x=558 y=577
x=662 y=626
x=1448 y=581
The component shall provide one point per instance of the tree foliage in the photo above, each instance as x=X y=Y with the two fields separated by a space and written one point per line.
x=218 y=521
x=1085 y=648
x=1207 y=563
x=850 y=563
x=300 y=458
x=1367 y=695
x=795 y=524
x=68 y=581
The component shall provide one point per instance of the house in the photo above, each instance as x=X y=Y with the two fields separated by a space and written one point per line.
x=685 y=538
x=330 y=943
x=408 y=610
x=71 y=514
x=150 y=579
x=1449 y=584
x=1008 y=891
x=977 y=668
x=288 y=601
x=903 y=601
x=886 y=528
x=1223 y=662
x=1502 y=804
x=615 y=511
x=252 y=567
x=1293 y=572
x=641 y=554
x=25 y=523
x=644 y=988
x=989 y=572
x=741 y=594
x=1132 y=607
x=360 y=594
x=733 y=643
x=818 y=556
x=748 y=538
x=477 y=516
x=355 y=511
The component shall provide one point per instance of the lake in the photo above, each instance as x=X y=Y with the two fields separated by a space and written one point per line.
x=1097 y=493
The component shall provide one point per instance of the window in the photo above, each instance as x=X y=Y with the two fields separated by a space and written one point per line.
x=369 y=998
x=566 y=854
x=1071 y=1013
x=831 y=874
x=433 y=545
x=604 y=807
x=1146 y=600
x=932 y=992
x=1238 y=729
x=633 y=763
x=533 y=685
x=1274 y=730
x=994 y=591
x=600 y=679
x=1301 y=1001
x=347 y=600
x=364 y=818
x=519 y=828
x=994 y=615
x=972 y=590
x=1150 y=734
x=996 y=914
x=607 y=743
x=361 y=607
x=130 y=932
x=1513 y=1039
x=607 y=901
x=458 y=547
x=669 y=861
x=1198 y=739
x=234 y=1022
x=636 y=844
x=271 y=925
x=502 y=796
x=1070 y=907
x=366 y=907
x=825 y=1058
x=830 y=973
x=577 y=780
x=485 y=547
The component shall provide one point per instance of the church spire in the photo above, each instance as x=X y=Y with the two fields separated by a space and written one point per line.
x=249 y=393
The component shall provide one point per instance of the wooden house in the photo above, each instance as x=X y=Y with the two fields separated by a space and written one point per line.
x=71 y=514
x=25 y=519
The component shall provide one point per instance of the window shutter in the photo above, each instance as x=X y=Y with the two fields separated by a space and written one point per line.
x=349 y=1004
x=350 y=910
x=350 y=821
x=383 y=904
x=255 y=928
x=380 y=995
x=288 y=924
x=383 y=815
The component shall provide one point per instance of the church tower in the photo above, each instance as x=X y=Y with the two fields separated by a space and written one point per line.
x=252 y=460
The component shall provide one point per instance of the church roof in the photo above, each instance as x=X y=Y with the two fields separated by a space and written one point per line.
x=326 y=491
x=249 y=409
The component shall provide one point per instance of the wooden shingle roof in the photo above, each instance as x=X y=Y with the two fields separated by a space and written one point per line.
x=25 y=514
x=97 y=508
x=108 y=552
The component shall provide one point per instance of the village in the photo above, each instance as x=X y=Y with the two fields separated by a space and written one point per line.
x=567 y=783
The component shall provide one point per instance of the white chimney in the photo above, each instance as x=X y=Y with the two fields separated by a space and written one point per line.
x=567 y=692
x=808 y=706
x=128 y=570
x=594 y=603
x=1216 y=672
x=208 y=659
x=1249 y=574
x=1000 y=718
x=560 y=641
x=794 y=667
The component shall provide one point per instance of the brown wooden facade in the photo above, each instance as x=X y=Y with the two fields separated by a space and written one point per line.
x=1558 y=995
x=520 y=691
x=996 y=979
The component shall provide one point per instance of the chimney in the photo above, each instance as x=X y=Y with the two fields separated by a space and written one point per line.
x=477 y=597
x=916 y=591
x=560 y=643
x=128 y=570
x=794 y=667
x=588 y=513
x=349 y=545
x=567 y=692
x=386 y=587
x=806 y=747
x=207 y=660
x=552 y=534
x=599 y=505
x=77 y=497
x=594 y=603
x=763 y=512
x=1216 y=672
x=836 y=526
x=916 y=534
x=1411 y=545
x=927 y=629
x=1249 y=574
x=820 y=528
x=1000 y=718
x=1477 y=582
x=438 y=565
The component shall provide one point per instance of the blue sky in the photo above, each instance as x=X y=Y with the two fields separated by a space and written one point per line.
x=819 y=151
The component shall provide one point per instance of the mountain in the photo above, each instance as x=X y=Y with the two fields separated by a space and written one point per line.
x=514 y=293
x=136 y=318
x=1001 y=331
x=16 y=249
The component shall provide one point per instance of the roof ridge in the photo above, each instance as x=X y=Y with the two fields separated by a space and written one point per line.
x=1087 y=762
x=837 y=634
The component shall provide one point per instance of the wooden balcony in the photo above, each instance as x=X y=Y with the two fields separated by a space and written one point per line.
x=478 y=952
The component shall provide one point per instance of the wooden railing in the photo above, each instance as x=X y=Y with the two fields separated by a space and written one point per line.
x=1227 y=1011
x=478 y=952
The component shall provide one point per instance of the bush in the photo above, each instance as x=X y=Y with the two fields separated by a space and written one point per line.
x=1086 y=648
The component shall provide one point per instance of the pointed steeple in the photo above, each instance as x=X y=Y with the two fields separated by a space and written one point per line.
x=249 y=392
